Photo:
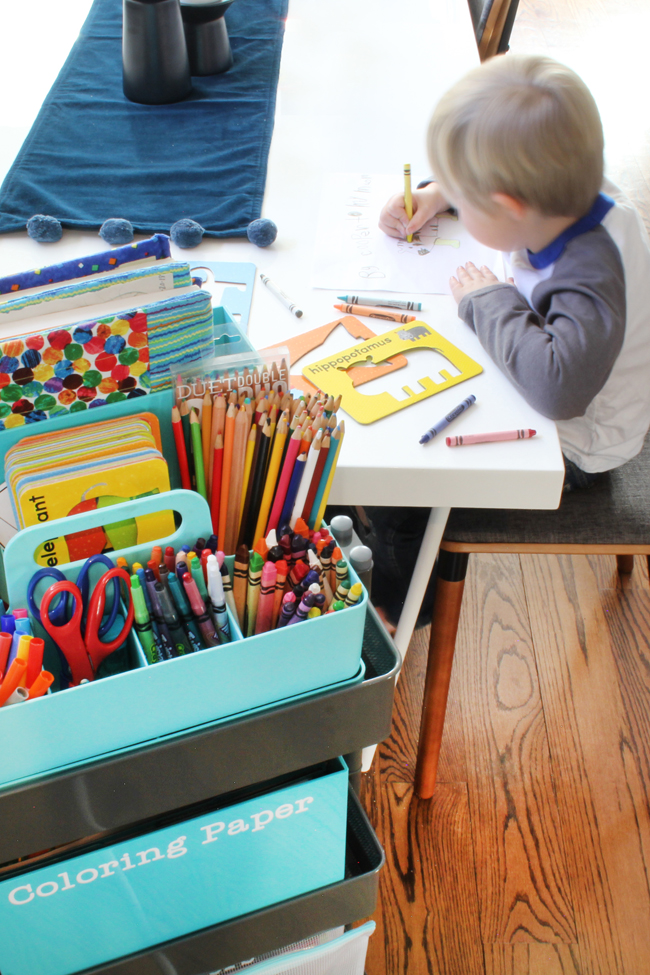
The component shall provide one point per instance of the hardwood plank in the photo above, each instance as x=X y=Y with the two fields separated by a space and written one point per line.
x=604 y=570
x=427 y=921
x=530 y=959
x=397 y=754
x=521 y=874
x=592 y=744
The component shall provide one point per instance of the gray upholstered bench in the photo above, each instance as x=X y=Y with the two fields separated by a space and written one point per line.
x=611 y=517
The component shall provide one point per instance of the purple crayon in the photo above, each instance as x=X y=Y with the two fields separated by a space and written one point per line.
x=289 y=605
x=306 y=604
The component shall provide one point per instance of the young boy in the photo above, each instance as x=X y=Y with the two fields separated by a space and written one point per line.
x=517 y=149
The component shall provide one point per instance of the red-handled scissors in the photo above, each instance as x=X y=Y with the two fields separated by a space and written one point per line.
x=85 y=652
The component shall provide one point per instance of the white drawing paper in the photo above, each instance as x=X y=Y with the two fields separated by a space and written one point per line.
x=353 y=254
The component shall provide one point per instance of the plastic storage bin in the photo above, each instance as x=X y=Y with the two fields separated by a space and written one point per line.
x=342 y=955
x=83 y=906
x=149 y=702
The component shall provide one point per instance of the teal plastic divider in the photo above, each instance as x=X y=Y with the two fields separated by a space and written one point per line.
x=140 y=705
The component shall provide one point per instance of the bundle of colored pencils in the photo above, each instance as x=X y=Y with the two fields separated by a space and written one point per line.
x=290 y=576
x=259 y=462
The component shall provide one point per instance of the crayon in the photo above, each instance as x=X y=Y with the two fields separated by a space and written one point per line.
x=218 y=600
x=490 y=437
x=368 y=312
x=203 y=620
x=384 y=302
x=227 y=589
x=289 y=606
x=446 y=420
x=408 y=198
x=354 y=594
x=253 y=593
x=240 y=582
x=306 y=604
x=280 y=295
x=282 y=570
x=267 y=598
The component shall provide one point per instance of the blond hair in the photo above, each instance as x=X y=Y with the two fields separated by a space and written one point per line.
x=525 y=126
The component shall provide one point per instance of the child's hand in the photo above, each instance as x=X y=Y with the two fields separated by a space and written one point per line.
x=426 y=203
x=471 y=278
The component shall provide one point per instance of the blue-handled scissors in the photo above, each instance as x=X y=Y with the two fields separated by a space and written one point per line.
x=60 y=610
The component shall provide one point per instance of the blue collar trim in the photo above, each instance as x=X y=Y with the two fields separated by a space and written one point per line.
x=602 y=205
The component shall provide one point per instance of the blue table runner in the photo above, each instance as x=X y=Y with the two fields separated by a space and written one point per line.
x=92 y=154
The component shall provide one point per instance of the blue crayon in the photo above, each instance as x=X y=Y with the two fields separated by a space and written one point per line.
x=446 y=420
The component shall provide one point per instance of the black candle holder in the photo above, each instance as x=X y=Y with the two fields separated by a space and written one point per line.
x=208 y=44
x=155 y=63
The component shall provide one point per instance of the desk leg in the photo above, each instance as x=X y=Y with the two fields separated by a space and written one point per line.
x=421 y=574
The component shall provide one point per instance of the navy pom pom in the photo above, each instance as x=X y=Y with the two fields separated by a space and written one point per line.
x=186 y=233
x=116 y=230
x=44 y=229
x=261 y=232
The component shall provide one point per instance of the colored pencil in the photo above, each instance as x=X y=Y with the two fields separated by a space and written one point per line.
x=257 y=485
x=184 y=411
x=408 y=198
x=181 y=452
x=251 y=483
x=316 y=477
x=206 y=431
x=236 y=480
x=328 y=475
x=228 y=441
x=195 y=427
x=215 y=489
x=285 y=478
x=271 y=475
x=301 y=497
x=292 y=490
x=250 y=450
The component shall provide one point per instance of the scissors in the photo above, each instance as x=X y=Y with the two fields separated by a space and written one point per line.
x=60 y=612
x=85 y=651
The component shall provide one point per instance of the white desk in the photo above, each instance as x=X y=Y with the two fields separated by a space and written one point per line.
x=358 y=81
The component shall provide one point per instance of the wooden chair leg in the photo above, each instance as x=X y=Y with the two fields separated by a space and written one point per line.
x=452 y=568
x=624 y=564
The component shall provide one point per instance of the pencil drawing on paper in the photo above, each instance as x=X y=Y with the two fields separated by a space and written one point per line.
x=351 y=250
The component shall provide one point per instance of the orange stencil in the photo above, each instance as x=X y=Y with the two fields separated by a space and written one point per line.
x=301 y=345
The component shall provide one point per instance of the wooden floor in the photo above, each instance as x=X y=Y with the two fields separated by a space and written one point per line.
x=533 y=857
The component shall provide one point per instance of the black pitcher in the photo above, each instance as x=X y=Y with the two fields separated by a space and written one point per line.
x=156 y=66
x=207 y=38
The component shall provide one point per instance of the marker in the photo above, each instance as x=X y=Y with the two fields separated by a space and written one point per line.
x=166 y=642
x=41 y=684
x=490 y=437
x=446 y=420
x=142 y=622
x=408 y=199
x=387 y=316
x=184 y=611
x=280 y=295
x=218 y=599
x=382 y=302
x=181 y=644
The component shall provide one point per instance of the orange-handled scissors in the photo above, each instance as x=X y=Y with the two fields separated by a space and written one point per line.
x=85 y=652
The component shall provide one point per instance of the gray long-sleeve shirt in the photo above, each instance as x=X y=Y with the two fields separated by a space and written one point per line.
x=560 y=350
